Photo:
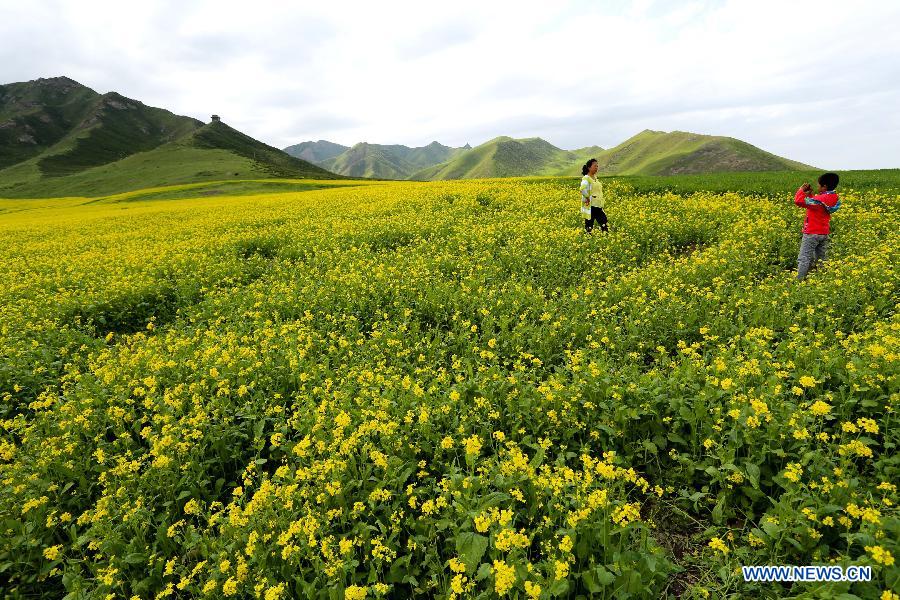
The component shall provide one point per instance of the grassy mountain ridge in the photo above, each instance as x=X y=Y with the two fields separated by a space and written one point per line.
x=316 y=152
x=58 y=137
x=389 y=161
x=219 y=136
x=215 y=152
x=369 y=160
x=647 y=153
x=115 y=127
x=680 y=152
x=496 y=157
x=70 y=127
x=507 y=157
x=36 y=115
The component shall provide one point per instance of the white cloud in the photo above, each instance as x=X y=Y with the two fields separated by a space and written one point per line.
x=814 y=81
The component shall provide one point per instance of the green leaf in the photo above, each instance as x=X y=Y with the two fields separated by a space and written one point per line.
x=604 y=577
x=718 y=509
x=136 y=558
x=559 y=587
x=470 y=547
x=258 y=428
x=770 y=528
x=752 y=474
x=674 y=437
x=591 y=583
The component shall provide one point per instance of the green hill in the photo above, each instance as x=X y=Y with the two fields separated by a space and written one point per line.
x=219 y=136
x=59 y=138
x=316 y=152
x=648 y=153
x=680 y=152
x=35 y=115
x=393 y=161
x=507 y=157
x=71 y=127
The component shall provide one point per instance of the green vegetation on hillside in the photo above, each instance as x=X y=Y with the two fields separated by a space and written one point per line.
x=315 y=152
x=679 y=152
x=175 y=163
x=219 y=136
x=66 y=127
x=503 y=157
x=648 y=153
x=115 y=128
x=94 y=145
x=36 y=115
x=389 y=161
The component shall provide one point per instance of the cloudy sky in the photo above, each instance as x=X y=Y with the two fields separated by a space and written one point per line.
x=816 y=81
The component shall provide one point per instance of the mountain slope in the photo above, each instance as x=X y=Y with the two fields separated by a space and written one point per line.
x=73 y=128
x=215 y=152
x=35 y=115
x=432 y=154
x=389 y=161
x=680 y=152
x=316 y=152
x=507 y=157
x=648 y=153
x=370 y=160
x=58 y=138
x=219 y=136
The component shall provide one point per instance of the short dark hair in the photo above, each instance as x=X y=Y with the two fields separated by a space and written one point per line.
x=587 y=166
x=829 y=180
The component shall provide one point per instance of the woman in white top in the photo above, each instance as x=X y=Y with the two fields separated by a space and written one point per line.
x=592 y=197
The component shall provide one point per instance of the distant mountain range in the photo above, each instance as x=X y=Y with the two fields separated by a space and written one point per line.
x=507 y=157
x=647 y=153
x=316 y=152
x=58 y=137
x=375 y=160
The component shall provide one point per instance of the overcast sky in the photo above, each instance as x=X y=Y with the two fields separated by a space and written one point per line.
x=815 y=81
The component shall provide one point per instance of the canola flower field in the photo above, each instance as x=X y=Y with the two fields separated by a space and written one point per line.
x=444 y=390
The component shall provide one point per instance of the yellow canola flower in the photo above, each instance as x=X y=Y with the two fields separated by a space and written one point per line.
x=508 y=539
x=718 y=545
x=52 y=552
x=342 y=332
x=880 y=555
x=473 y=445
x=229 y=588
x=504 y=577
x=355 y=592
x=820 y=408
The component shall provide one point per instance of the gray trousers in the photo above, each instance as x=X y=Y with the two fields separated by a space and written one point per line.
x=814 y=247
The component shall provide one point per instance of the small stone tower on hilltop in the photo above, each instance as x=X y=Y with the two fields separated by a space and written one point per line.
x=216 y=119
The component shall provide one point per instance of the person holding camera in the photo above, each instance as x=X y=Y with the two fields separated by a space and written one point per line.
x=816 y=227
